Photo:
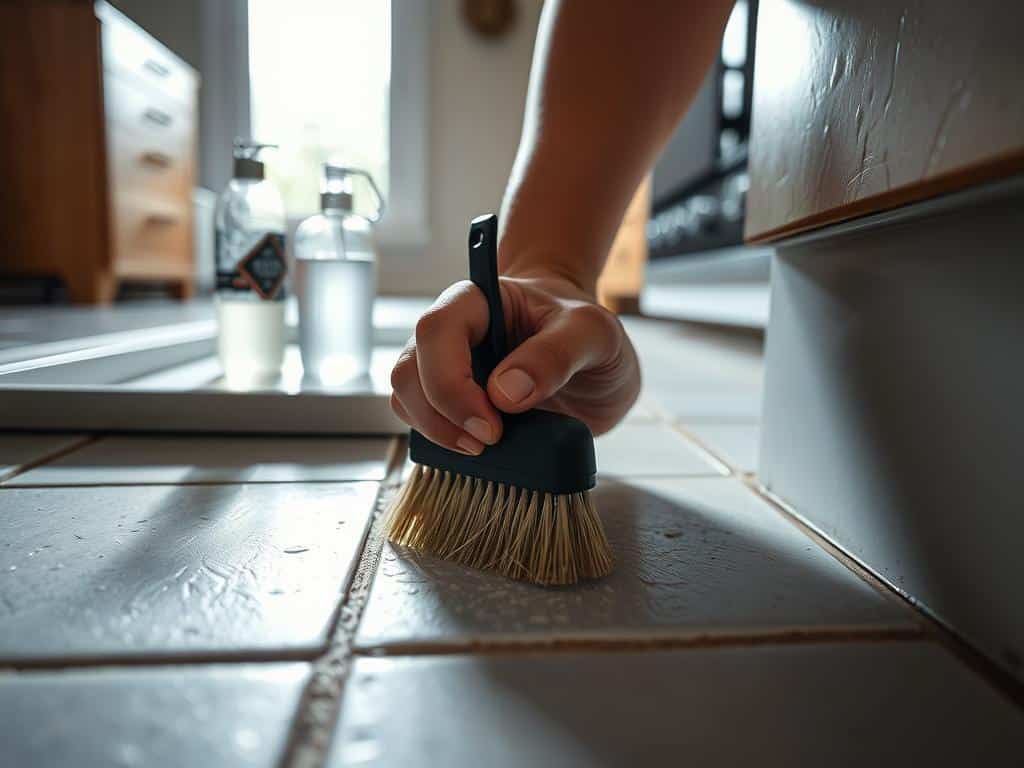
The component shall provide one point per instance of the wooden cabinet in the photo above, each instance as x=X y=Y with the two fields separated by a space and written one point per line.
x=622 y=278
x=100 y=163
x=862 y=106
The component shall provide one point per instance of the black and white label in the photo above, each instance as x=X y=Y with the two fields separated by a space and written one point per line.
x=262 y=269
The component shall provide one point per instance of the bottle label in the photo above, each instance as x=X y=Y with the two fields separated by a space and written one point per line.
x=262 y=269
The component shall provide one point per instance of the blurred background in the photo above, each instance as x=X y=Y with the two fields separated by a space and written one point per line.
x=129 y=110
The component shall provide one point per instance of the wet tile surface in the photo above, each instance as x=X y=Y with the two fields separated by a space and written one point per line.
x=642 y=450
x=181 y=716
x=215 y=460
x=843 y=705
x=171 y=570
x=693 y=556
x=736 y=444
x=18 y=449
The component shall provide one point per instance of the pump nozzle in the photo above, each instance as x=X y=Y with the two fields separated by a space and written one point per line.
x=246 y=152
x=336 y=189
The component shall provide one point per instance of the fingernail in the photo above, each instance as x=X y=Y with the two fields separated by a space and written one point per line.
x=467 y=444
x=479 y=429
x=515 y=384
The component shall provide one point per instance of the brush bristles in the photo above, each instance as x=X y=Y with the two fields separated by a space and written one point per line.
x=527 y=535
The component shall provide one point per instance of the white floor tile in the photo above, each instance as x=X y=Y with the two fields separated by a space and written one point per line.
x=170 y=570
x=694 y=556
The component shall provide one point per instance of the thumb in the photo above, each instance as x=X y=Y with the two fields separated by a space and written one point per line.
x=576 y=339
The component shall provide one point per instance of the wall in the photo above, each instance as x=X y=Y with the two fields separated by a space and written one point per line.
x=478 y=89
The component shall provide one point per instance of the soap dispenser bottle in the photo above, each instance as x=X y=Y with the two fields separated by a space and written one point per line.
x=251 y=270
x=336 y=280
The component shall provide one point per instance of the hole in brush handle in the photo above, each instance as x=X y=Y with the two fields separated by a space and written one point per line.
x=483 y=271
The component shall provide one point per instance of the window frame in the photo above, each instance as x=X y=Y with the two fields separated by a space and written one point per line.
x=225 y=106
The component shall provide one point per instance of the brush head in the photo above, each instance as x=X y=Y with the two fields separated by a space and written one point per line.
x=538 y=451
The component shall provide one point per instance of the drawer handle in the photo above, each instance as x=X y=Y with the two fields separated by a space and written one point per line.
x=157 y=116
x=162 y=219
x=156 y=68
x=156 y=159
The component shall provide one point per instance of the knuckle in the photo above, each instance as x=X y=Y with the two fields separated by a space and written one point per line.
x=403 y=371
x=429 y=323
x=596 y=317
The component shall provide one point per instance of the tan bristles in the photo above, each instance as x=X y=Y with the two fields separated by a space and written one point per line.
x=527 y=535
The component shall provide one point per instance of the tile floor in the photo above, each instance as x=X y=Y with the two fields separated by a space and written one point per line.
x=214 y=601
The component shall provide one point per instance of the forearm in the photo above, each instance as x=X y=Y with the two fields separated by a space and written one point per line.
x=609 y=82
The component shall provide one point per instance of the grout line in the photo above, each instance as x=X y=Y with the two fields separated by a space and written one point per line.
x=71 y=447
x=317 y=714
x=568 y=645
x=995 y=675
x=720 y=459
x=84 y=662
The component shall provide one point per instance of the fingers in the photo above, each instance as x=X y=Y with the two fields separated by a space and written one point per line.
x=411 y=406
x=445 y=336
x=576 y=339
x=433 y=387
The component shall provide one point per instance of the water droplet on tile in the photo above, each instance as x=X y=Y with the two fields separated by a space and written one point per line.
x=247 y=739
x=295 y=550
x=13 y=568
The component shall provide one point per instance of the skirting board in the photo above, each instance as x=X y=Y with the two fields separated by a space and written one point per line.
x=893 y=418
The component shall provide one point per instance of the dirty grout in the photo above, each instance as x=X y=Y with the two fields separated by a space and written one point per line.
x=570 y=645
x=318 y=710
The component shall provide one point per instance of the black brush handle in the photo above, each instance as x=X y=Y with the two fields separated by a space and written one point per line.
x=483 y=271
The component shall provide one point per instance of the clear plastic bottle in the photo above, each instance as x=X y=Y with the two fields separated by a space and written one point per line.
x=336 y=281
x=251 y=270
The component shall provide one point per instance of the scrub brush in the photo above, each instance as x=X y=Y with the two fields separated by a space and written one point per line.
x=521 y=508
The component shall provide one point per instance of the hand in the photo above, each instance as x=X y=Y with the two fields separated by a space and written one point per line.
x=568 y=355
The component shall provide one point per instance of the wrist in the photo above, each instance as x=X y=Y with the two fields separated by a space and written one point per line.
x=548 y=268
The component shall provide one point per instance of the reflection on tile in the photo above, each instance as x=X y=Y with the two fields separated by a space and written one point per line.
x=20 y=448
x=175 y=569
x=644 y=450
x=843 y=705
x=158 y=716
x=710 y=406
x=693 y=556
x=172 y=459
x=736 y=444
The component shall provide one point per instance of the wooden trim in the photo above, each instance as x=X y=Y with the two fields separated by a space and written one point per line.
x=995 y=168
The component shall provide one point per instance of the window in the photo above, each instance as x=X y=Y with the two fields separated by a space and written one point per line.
x=320 y=75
